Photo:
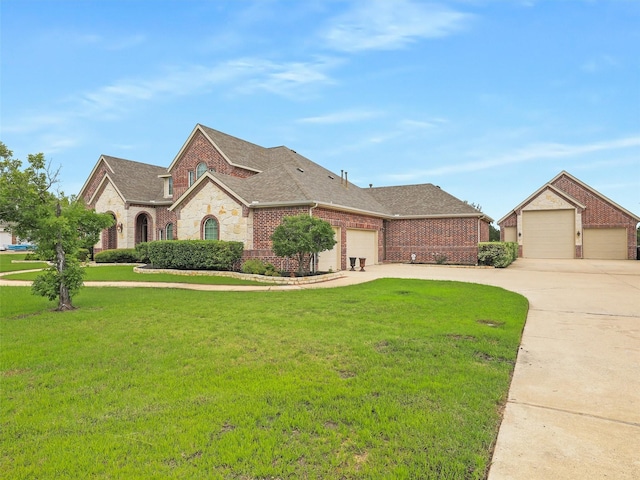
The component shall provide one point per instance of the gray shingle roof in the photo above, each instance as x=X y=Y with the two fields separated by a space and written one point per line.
x=238 y=151
x=137 y=181
x=288 y=177
x=423 y=199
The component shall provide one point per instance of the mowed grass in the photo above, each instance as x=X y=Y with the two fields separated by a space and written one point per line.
x=388 y=379
x=7 y=264
x=124 y=273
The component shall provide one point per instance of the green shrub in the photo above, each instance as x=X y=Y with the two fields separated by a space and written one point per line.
x=35 y=256
x=270 y=270
x=195 y=254
x=123 y=255
x=497 y=254
x=82 y=254
x=258 y=267
x=142 y=250
x=254 y=266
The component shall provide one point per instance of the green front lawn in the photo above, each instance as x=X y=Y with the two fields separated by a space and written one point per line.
x=123 y=273
x=7 y=265
x=388 y=379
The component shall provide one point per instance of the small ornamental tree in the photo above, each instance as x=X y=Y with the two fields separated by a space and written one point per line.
x=59 y=225
x=300 y=237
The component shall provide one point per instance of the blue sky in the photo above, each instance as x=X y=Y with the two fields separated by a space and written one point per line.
x=489 y=99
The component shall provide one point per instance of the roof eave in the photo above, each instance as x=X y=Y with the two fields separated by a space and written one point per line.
x=478 y=215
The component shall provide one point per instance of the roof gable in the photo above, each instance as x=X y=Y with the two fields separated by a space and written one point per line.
x=551 y=184
x=136 y=182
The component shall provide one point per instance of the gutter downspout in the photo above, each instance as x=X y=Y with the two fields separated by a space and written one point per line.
x=315 y=255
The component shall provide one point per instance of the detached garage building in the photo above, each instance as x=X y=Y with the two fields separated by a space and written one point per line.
x=566 y=218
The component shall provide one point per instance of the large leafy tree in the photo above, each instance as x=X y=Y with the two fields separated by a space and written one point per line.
x=59 y=225
x=300 y=237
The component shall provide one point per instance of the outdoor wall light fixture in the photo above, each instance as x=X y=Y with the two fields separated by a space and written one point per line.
x=578 y=234
x=119 y=227
x=519 y=234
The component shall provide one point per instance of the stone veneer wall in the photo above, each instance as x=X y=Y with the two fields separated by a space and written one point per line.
x=210 y=201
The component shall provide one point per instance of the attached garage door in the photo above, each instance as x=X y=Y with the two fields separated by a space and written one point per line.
x=605 y=243
x=548 y=234
x=329 y=260
x=363 y=243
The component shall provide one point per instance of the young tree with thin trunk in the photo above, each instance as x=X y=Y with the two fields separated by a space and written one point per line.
x=300 y=237
x=58 y=225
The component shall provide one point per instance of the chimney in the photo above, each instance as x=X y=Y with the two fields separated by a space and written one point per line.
x=346 y=182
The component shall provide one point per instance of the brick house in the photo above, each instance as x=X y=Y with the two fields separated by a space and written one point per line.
x=221 y=187
x=566 y=218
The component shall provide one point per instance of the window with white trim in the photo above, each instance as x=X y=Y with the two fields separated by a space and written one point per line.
x=169 y=231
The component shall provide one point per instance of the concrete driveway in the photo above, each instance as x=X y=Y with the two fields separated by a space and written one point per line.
x=573 y=410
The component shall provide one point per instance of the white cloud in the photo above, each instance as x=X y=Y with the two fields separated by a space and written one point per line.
x=386 y=25
x=599 y=63
x=345 y=116
x=536 y=152
x=112 y=101
x=286 y=79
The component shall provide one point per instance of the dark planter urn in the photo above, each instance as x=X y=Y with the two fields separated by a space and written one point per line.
x=352 y=262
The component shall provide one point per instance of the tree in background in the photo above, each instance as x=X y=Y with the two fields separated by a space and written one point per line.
x=494 y=233
x=59 y=225
x=300 y=237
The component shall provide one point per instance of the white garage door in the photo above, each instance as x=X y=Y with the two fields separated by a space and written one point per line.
x=363 y=243
x=548 y=234
x=605 y=243
x=329 y=260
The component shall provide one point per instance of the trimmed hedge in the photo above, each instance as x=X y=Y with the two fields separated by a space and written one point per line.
x=142 y=250
x=497 y=254
x=122 y=255
x=194 y=254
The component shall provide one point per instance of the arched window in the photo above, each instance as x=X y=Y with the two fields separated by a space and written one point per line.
x=169 y=231
x=210 y=229
x=200 y=169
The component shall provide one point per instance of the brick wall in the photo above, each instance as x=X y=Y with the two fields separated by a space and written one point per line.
x=199 y=149
x=455 y=239
x=599 y=213
x=95 y=181
x=163 y=217
x=265 y=221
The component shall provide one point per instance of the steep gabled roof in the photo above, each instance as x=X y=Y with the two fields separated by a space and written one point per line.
x=550 y=186
x=137 y=182
x=423 y=200
x=283 y=177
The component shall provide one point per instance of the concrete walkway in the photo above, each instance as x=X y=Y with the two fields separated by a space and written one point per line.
x=573 y=410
